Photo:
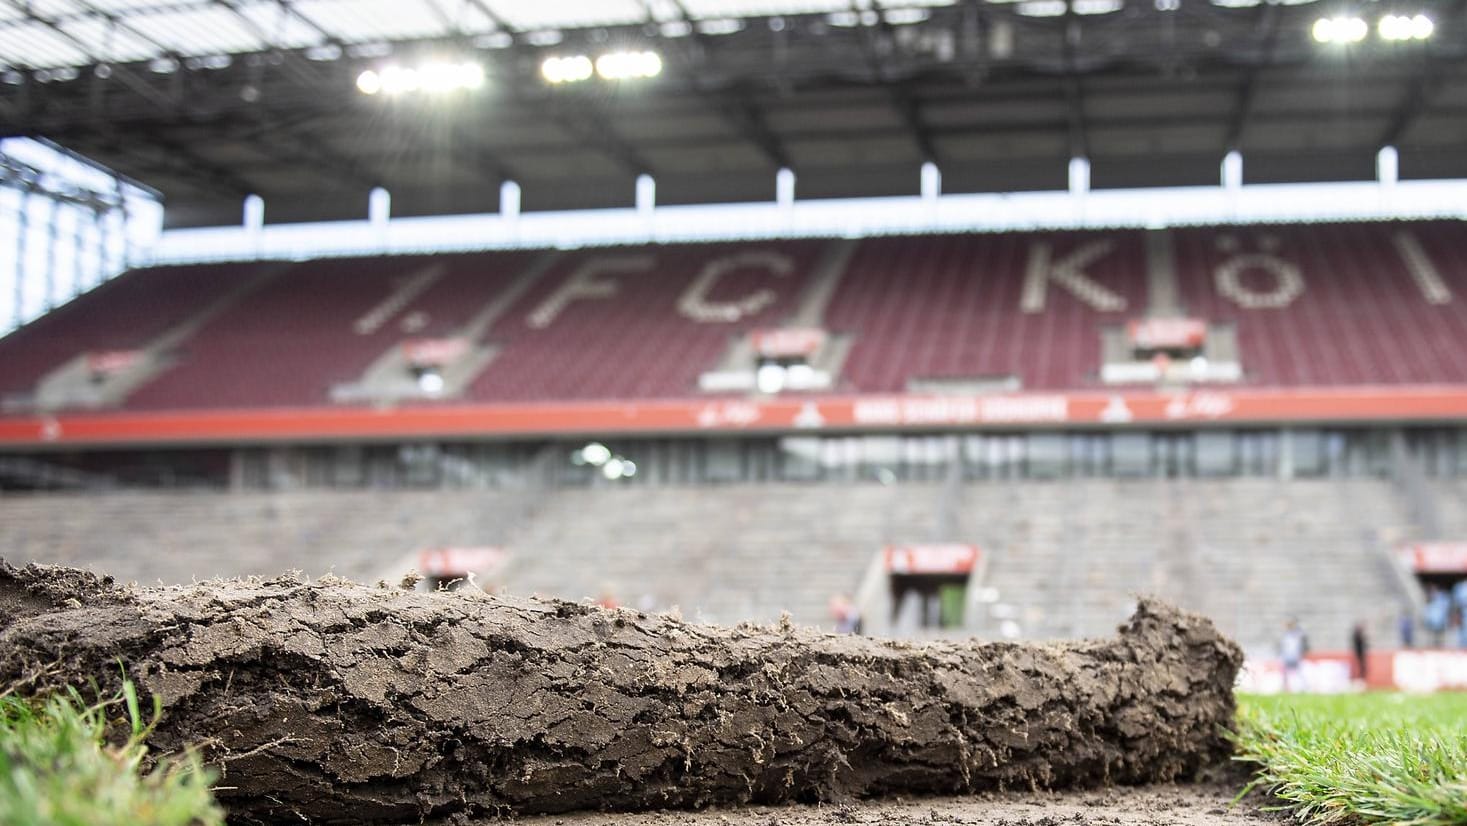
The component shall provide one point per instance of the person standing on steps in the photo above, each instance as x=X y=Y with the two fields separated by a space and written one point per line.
x=1459 y=595
x=1293 y=646
x=1360 y=645
x=1438 y=614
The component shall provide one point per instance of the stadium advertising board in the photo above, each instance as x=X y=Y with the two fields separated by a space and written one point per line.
x=1333 y=672
x=945 y=558
x=1436 y=557
x=453 y=562
x=1167 y=333
x=772 y=414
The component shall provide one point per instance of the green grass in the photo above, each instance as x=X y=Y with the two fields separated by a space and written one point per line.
x=67 y=762
x=1368 y=758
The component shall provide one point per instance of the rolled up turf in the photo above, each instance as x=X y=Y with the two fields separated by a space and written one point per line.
x=334 y=702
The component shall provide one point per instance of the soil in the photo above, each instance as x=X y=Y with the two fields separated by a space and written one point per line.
x=331 y=702
x=1205 y=804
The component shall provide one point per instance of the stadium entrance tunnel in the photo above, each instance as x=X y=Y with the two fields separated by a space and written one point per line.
x=330 y=702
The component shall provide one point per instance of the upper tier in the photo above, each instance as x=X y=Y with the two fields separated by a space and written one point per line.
x=1311 y=305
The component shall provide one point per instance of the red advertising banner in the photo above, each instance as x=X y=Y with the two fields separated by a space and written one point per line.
x=789 y=342
x=1167 y=333
x=945 y=558
x=781 y=414
x=1436 y=557
x=434 y=352
x=111 y=362
x=449 y=562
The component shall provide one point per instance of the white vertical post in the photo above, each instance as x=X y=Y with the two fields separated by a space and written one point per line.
x=254 y=213
x=931 y=182
x=1232 y=171
x=784 y=188
x=254 y=223
x=1079 y=176
x=379 y=208
x=646 y=195
x=1387 y=166
x=509 y=200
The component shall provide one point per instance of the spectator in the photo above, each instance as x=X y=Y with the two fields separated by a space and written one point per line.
x=1293 y=646
x=1406 y=625
x=1360 y=644
x=1459 y=594
x=847 y=618
x=607 y=598
x=1438 y=614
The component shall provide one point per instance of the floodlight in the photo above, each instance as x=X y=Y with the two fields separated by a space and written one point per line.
x=1043 y=8
x=433 y=78
x=721 y=25
x=628 y=65
x=1339 y=30
x=1400 y=27
x=596 y=454
x=572 y=69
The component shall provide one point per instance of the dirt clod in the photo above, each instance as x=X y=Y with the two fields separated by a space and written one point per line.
x=332 y=702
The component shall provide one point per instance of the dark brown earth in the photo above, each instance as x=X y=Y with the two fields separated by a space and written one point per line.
x=331 y=702
x=1206 y=804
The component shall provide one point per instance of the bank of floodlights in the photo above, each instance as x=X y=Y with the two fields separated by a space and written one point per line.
x=1339 y=30
x=428 y=78
x=630 y=65
x=1393 y=28
x=1402 y=27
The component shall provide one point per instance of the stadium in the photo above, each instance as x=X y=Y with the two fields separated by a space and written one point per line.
x=954 y=325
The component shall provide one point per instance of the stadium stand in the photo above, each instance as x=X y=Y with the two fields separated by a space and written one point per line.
x=1070 y=556
x=646 y=322
x=126 y=313
x=954 y=307
x=328 y=321
x=637 y=336
x=1396 y=287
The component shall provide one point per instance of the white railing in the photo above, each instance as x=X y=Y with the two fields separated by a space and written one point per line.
x=1100 y=209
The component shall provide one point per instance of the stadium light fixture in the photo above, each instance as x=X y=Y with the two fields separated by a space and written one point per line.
x=571 y=69
x=905 y=17
x=1043 y=8
x=1398 y=27
x=1096 y=6
x=1342 y=30
x=628 y=65
x=720 y=26
x=432 y=78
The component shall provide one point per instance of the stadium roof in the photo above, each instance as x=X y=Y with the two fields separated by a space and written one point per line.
x=73 y=33
x=209 y=100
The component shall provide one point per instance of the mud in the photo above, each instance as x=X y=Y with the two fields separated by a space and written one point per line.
x=330 y=702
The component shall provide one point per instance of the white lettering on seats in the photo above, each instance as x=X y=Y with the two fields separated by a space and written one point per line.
x=582 y=284
x=1068 y=272
x=410 y=288
x=1422 y=270
x=1228 y=275
x=694 y=301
